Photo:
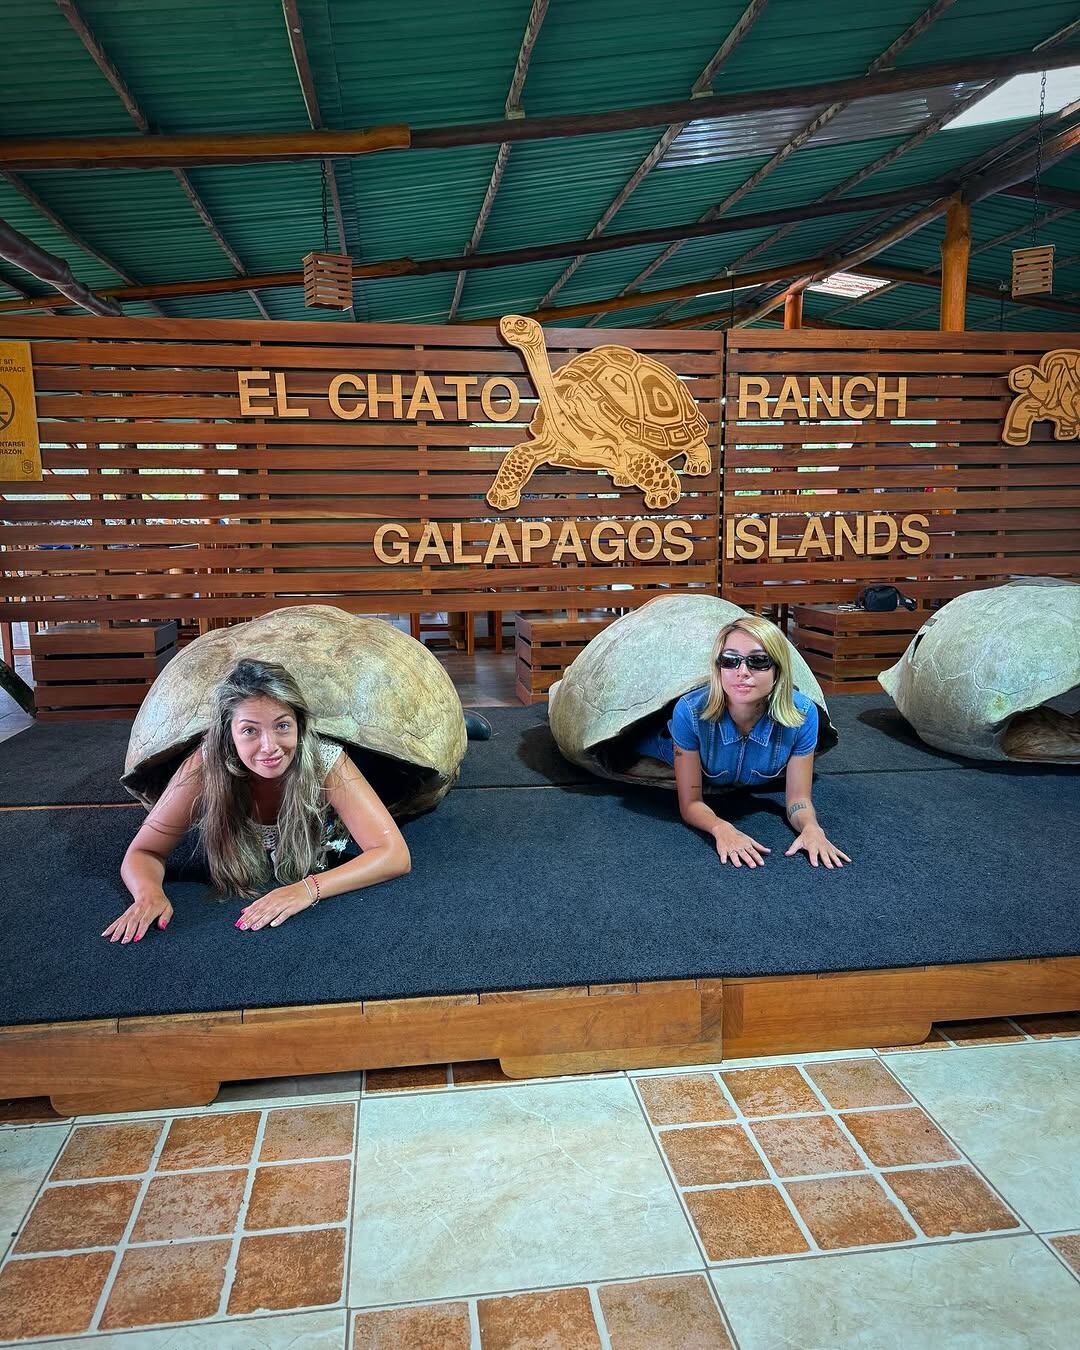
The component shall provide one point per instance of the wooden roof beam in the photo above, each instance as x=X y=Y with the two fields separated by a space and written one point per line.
x=511 y=108
x=100 y=58
x=156 y=151
x=701 y=86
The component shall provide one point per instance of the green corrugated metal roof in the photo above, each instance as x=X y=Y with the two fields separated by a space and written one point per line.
x=208 y=67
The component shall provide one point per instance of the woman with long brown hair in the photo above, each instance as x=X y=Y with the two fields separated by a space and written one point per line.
x=270 y=798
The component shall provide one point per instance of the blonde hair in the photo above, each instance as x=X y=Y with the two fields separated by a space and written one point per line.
x=225 y=816
x=782 y=707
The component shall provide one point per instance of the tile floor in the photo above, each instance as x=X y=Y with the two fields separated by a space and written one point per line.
x=925 y=1197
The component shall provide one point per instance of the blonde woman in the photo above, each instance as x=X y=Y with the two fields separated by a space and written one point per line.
x=269 y=797
x=745 y=727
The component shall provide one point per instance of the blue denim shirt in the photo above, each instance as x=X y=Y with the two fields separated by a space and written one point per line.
x=727 y=758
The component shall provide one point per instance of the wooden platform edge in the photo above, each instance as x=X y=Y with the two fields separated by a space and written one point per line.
x=157 y=1063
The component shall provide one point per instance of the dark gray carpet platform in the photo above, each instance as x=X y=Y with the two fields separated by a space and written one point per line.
x=514 y=888
x=72 y=763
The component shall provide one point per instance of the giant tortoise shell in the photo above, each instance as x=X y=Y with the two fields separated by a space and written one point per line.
x=977 y=675
x=369 y=685
x=630 y=676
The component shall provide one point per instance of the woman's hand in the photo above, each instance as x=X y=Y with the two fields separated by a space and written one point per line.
x=276 y=906
x=137 y=918
x=735 y=847
x=817 y=847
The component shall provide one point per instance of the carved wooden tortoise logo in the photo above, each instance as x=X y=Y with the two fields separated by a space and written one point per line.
x=1047 y=392
x=611 y=409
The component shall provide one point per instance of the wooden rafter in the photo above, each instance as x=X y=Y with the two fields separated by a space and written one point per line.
x=701 y=86
x=100 y=57
x=295 y=29
x=512 y=108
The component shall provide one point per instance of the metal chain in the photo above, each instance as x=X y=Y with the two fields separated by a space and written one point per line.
x=325 y=216
x=1038 y=162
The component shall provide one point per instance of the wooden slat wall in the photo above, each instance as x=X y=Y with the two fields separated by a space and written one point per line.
x=141 y=397
x=996 y=511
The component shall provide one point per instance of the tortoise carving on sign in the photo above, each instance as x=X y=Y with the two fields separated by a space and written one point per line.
x=370 y=686
x=1048 y=392
x=611 y=409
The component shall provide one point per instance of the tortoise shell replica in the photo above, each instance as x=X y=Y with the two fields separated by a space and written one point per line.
x=629 y=677
x=977 y=675
x=610 y=409
x=370 y=686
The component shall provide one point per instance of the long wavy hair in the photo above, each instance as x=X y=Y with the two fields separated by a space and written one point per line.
x=229 y=830
x=782 y=707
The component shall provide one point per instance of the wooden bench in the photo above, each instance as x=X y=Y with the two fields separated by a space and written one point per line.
x=848 y=648
x=83 y=673
x=545 y=644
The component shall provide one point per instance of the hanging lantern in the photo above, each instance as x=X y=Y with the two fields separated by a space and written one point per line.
x=328 y=281
x=1032 y=271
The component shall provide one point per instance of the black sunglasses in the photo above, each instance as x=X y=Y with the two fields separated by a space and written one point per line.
x=759 y=661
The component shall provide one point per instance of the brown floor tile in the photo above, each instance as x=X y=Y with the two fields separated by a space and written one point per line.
x=848 y=1212
x=857 y=1082
x=435 y=1326
x=944 y=1200
x=895 y=1138
x=27 y=1111
x=707 y=1154
x=107 y=1150
x=209 y=1141
x=647 y=1314
x=806 y=1146
x=935 y=1041
x=68 y=1217
x=403 y=1080
x=51 y=1296
x=309 y=1132
x=989 y=1031
x=479 y=1071
x=1051 y=1024
x=683 y=1098
x=196 y=1204
x=744 y=1221
x=288 y=1270
x=561 y=1319
x=167 y=1284
x=298 y=1194
x=1069 y=1247
x=770 y=1092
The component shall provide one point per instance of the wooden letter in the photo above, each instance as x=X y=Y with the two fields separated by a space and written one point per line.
x=775 y=548
x=818 y=396
x=899 y=396
x=678 y=541
x=790 y=399
x=891 y=533
x=753 y=389
x=337 y=407
x=814 y=536
x=916 y=529
x=243 y=382
x=750 y=533
x=424 y=399
x=376 y=396
x=534 y=534
x=431 y=541
x=283 y=408
x=501 y=545
x=506 y=414
x=400 y=551
x=652 y=549
x=460 y=385
x=459 y=554
x=843 y=534
x=729 y=537
x=617 y=552
x=859 y=410
x=569 y=542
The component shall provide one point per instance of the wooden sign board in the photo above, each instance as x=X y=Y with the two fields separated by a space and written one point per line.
x=20 y=455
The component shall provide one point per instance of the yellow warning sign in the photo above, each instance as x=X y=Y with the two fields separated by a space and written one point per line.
x=20 y=453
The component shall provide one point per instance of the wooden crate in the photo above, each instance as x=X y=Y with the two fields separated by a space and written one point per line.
x=546 y=644
x=848 y=648
x=84 y=673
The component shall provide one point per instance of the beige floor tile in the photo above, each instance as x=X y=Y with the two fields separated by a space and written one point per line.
x=309 y=1132
x=806 y=1146
x=176 y=1283
x=123 y=1149
x=190 y=1204
x=406 y=1080
x=898 y=1137
x=1014 y=1111
x=948 y=1200
x=432 y=1326
x=705 y=1155
x=684 y=1098
x=295 y=1194
x=1050 y=1024
x=740 y=1222
x=560 y=1318
x=991 y=1294
x=530 y=1185
x=770 y=1092
x=51 y=1295
x=209 y=1141
x=1069 y=1247
x=288 y=1270
x=324 y=1329
x=988 y=1031
x=651 y=1314
x=71 y=1217
x=849 y=1212
x=857 y=1082
x=26 y=1156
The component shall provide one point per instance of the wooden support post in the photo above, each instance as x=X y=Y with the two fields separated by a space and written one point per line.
x=955 y=249
x=793 y=302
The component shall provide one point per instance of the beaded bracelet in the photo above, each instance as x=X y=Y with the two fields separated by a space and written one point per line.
x=315 y=882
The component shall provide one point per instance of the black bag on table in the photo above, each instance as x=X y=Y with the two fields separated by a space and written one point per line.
x=882 y=599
